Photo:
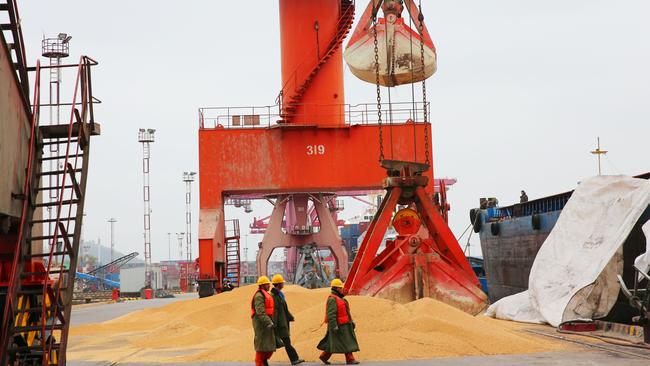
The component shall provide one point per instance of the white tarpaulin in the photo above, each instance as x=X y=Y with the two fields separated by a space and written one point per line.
x=574 y=274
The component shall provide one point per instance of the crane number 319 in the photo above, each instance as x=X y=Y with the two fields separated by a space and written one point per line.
x=315 y=149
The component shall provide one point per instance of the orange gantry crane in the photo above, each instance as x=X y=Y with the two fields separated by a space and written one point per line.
x=312 y=145
x=302 y=150
x=41 y=218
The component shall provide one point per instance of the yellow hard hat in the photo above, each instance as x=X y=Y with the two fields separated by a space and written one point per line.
x=277 y=279
x=337 y=283
x=263 y=280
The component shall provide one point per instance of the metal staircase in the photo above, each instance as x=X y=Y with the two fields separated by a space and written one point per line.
x=13 y=36
x=39 y=297
x=342 y=29
x=233 y=258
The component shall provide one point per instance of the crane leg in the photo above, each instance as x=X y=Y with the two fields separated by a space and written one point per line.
x=274 y=236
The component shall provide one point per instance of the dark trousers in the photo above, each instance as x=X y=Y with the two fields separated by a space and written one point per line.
x=291 y=352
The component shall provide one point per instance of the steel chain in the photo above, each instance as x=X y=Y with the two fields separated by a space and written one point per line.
x=424 y=88
x=392 y=60
x=381 y=136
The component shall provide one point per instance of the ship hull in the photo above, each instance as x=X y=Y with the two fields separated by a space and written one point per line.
x=509 y=256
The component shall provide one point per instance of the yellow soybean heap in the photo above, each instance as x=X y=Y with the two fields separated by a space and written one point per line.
x=218 y=328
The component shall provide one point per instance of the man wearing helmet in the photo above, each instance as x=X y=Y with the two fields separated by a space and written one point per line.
x=340 y=337
x=262 y=313
x=282 y=318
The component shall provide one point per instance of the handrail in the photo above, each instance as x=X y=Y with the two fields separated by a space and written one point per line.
x=27 y=191
x=81 y=88
x=314 y=54
x=267 y=116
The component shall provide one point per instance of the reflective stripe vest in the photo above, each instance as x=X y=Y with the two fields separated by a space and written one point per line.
x=268 y=303
x=342 y=315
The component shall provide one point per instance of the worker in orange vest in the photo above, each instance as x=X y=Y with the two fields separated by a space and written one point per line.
x=262 y=311
x=340 y=337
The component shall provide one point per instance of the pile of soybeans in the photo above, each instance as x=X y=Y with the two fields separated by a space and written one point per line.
x=218 y=328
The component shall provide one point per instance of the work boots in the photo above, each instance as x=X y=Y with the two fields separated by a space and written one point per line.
x=349 y=359
x=324 y=357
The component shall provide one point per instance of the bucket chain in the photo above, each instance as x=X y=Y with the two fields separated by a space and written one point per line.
x=424 y=88
x=376 y=43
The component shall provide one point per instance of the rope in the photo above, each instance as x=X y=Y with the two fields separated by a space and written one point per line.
x=464 y=232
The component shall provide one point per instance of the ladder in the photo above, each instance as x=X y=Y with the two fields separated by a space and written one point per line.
x=233 y=257
x=343 y=27
x=39 y=298
x=13 y=37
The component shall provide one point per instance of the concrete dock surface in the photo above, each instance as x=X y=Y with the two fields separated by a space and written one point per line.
x=587 y=358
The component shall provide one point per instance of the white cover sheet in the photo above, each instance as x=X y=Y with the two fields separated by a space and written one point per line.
x=574 y=273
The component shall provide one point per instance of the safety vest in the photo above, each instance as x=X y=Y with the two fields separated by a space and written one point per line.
x=342 y=315
x=268 y=303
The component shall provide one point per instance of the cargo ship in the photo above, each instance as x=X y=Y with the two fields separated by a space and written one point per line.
x=512 y=235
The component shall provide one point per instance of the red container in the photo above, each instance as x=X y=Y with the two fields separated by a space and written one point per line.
x=148 y=293
x=115 y=295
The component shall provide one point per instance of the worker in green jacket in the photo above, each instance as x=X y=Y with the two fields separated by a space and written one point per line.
x=262 y=312
x=340 y=337
x=282 y=318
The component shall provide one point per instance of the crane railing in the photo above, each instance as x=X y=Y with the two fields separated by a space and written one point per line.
x=268 y=116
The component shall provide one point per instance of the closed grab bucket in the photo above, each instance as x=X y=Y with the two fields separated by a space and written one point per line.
x=399 y=51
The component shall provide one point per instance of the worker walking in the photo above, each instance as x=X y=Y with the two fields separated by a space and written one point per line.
x=282 y=317
x=262 y=312
x=340 y=337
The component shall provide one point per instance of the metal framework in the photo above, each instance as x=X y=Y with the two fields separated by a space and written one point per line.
x=233 y=252
x=38 y=295
x=114 y=265
x=100 y=273
x=54 y=49
x=146 y=137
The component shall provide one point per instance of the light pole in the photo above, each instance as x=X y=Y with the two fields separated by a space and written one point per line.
x=112 y=221
x=188 y=178
x=179 y=236
x=146 y=137
x=246 y=247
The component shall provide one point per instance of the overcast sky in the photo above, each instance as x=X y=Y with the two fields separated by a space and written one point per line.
x=523 y=89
